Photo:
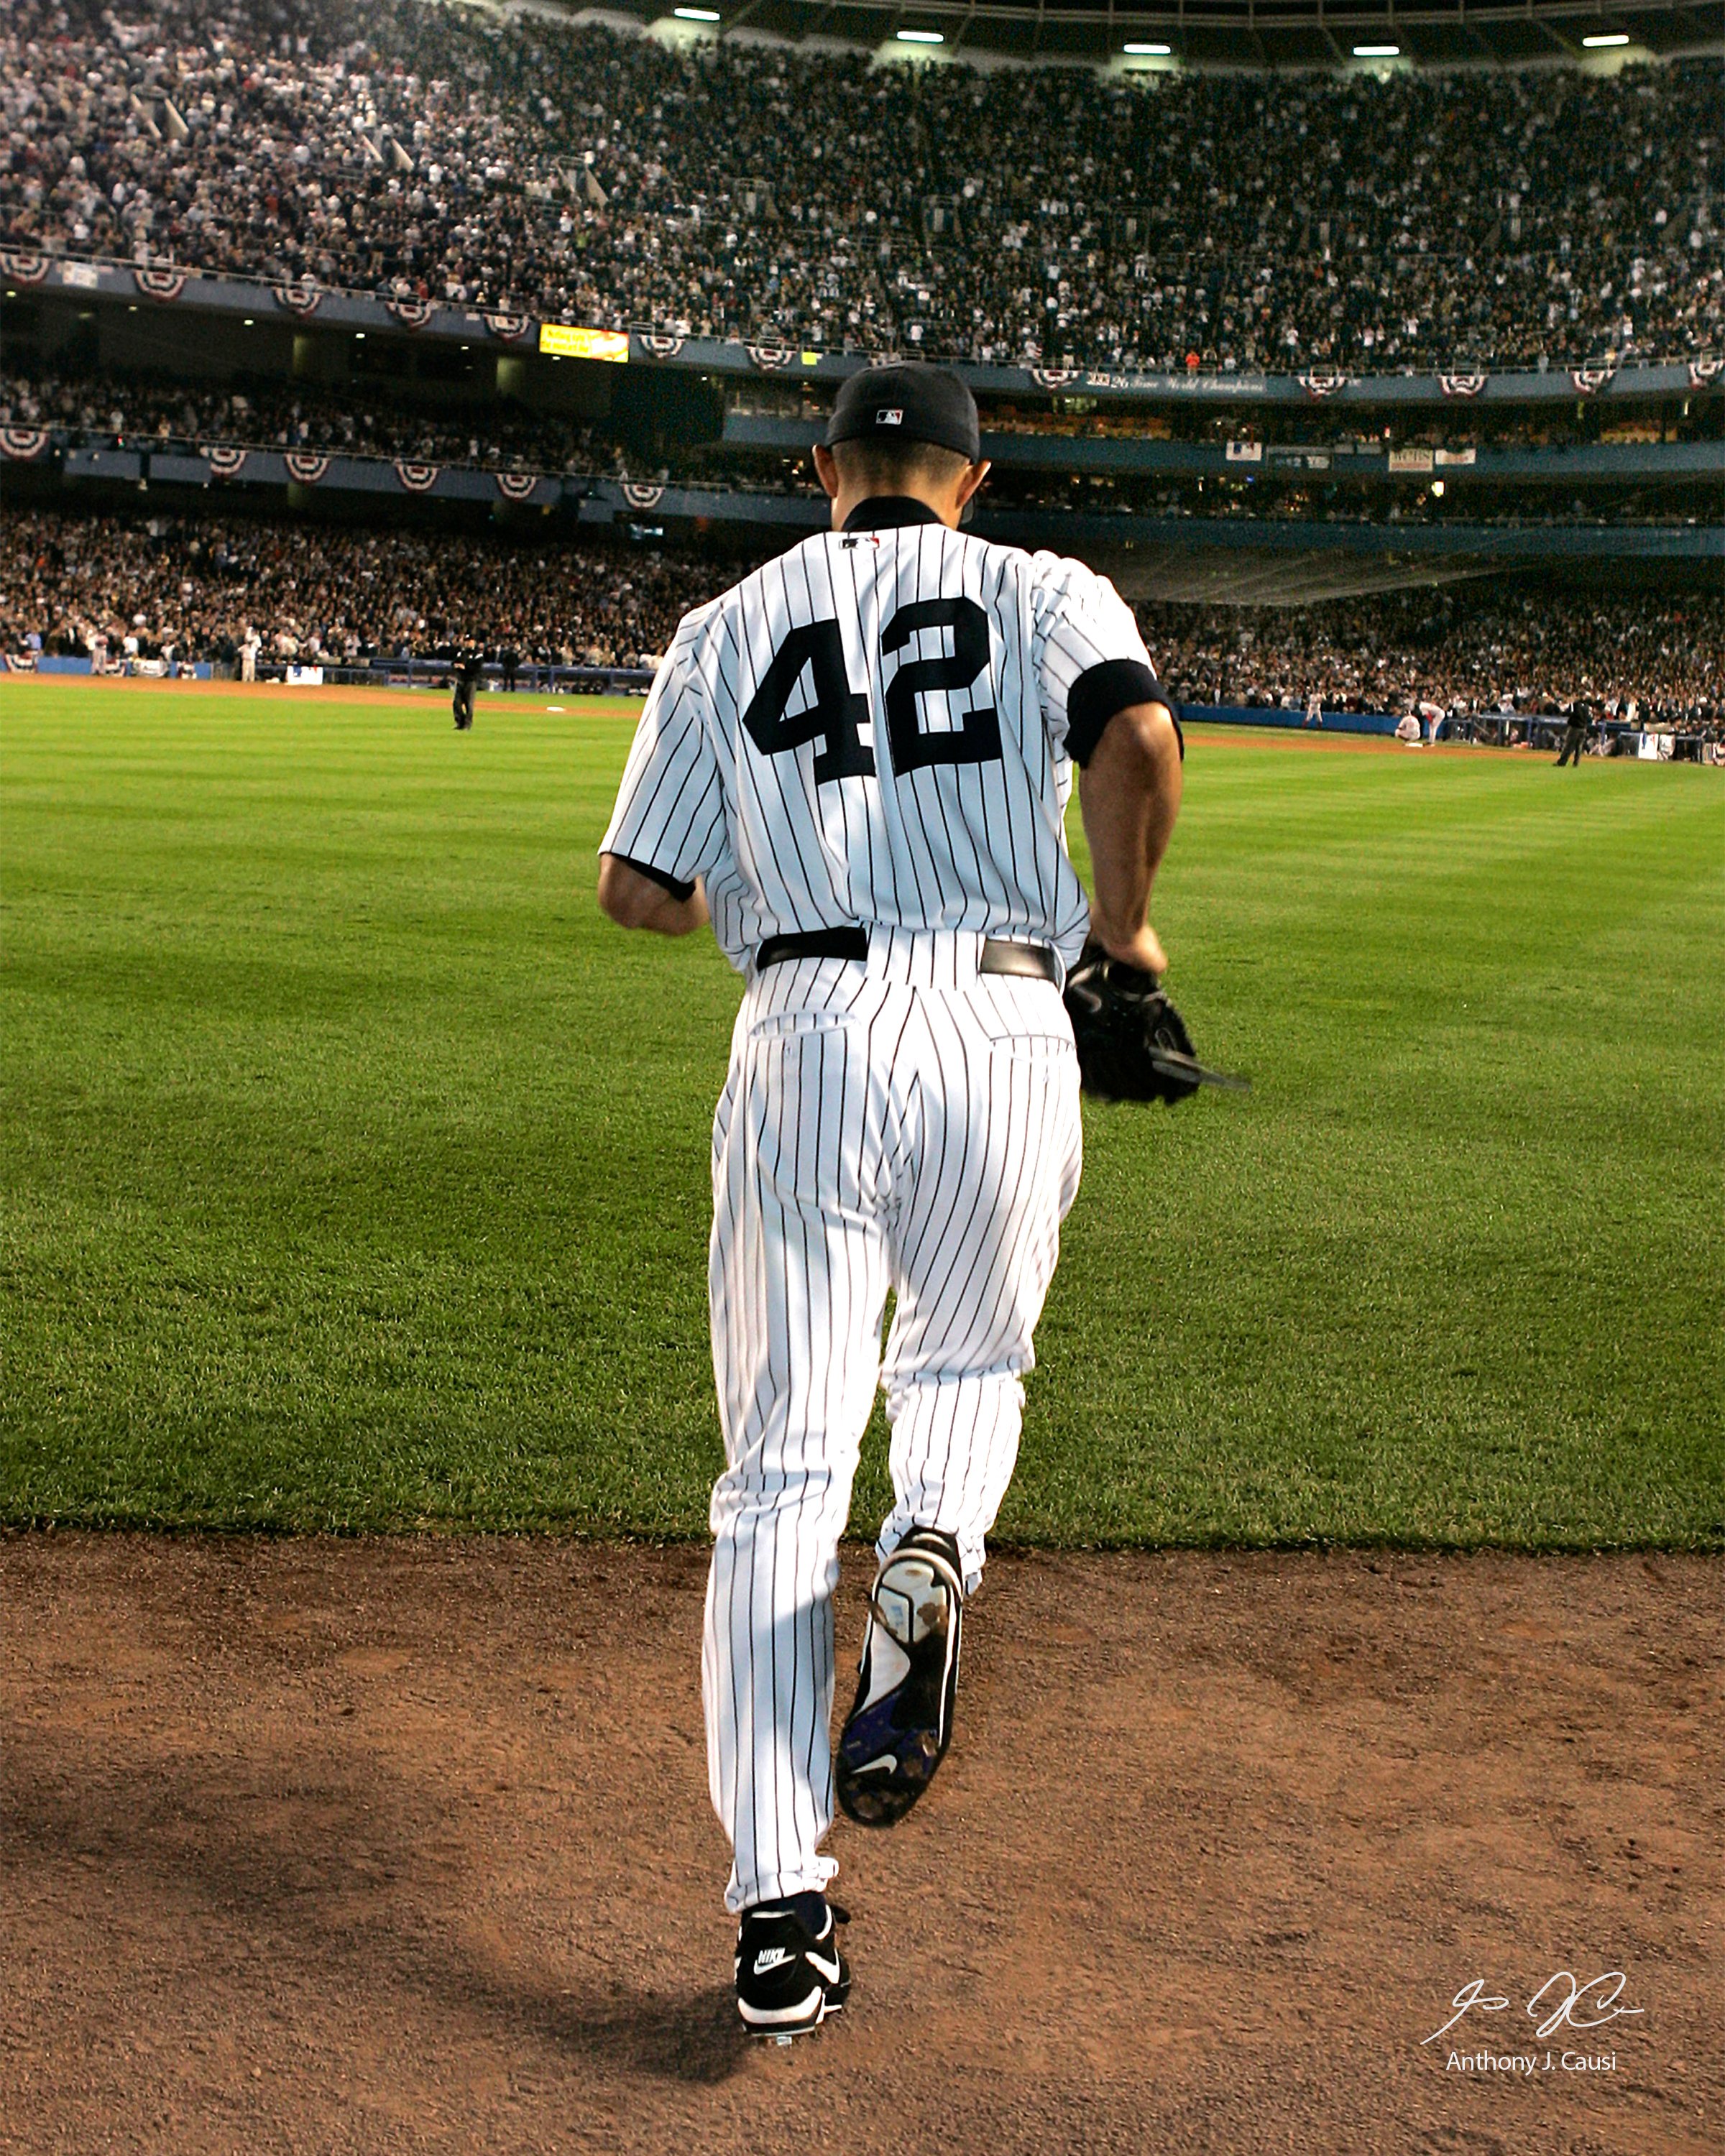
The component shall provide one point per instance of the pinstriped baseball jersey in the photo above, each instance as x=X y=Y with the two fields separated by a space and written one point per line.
x=880 y=726
x=876 y=730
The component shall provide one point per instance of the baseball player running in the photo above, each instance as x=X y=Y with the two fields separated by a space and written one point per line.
x=856 y=764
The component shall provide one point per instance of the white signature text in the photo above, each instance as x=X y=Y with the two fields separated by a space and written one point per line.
x=1559 y=2002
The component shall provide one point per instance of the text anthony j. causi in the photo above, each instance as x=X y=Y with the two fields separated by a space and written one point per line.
x=1523 y=2062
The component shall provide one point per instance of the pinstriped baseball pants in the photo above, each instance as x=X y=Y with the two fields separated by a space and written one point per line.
x=905 y=1123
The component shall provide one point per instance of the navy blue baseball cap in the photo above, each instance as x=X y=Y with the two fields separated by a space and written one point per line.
x=909 y=403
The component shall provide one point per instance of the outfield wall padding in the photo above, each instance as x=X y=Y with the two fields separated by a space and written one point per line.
x=1269 y=715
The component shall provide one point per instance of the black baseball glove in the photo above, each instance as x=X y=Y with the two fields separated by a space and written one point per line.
x=1132 y=1044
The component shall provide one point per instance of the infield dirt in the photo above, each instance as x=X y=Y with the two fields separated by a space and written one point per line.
x=403 y=1844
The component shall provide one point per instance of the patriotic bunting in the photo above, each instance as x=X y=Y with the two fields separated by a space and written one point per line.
x=160 y=284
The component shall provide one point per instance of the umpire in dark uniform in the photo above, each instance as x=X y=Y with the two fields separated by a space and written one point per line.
x=1575 y=733
x=469 y=665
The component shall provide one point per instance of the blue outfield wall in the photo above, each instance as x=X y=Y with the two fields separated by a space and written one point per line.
x=537 y=680
x=1268 y=715
x=48 y=663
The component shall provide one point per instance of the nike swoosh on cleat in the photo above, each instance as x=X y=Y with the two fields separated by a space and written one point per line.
x=886 y=1764
x=829 y=1970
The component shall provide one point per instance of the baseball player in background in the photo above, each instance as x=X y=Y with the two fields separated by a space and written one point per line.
x=856 y=764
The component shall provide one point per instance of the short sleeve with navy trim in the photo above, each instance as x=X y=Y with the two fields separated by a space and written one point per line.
x=1090 y=660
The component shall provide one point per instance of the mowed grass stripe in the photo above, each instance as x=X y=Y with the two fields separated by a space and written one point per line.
x=357 y=1169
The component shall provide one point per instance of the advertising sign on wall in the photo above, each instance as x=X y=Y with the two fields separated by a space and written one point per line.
x=561 y=341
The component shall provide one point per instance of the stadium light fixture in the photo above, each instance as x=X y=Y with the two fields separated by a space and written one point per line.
x=1607 y=37
x=1376 y=52
x=921 y=38
x=697 y=14
x=1155 y=52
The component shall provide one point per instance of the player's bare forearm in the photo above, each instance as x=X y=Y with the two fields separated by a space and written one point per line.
x=1129 y=793
x=634 y=900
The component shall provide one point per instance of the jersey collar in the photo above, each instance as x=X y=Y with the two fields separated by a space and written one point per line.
x=886 y=509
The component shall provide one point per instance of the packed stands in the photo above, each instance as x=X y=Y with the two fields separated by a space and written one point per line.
x=1467 y=650
x=1047 y=216
x=497 y=435
x=316 y=592
x=501 y=436
x=194 y=587
x=1293 y=500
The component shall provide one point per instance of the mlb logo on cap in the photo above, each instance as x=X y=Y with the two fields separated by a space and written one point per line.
x=922 y=403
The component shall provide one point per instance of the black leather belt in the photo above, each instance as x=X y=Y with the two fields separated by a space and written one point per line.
x=1032 y=961
x=813 y=943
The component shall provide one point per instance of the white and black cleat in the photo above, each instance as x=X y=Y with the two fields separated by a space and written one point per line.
x=790 y=1975
x=897 y=1732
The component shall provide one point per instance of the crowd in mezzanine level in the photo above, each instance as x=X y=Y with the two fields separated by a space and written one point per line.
x=1549 y=424
x=138 y=411
x=498 y=434
x=1412 y=501
x=1047 y=215
x=129 y=410
x=195 y=588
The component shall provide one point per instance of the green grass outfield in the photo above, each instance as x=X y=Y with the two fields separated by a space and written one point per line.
x=357 y=1169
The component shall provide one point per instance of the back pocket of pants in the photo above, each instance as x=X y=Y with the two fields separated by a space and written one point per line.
x=778 y=1024
x=1021 y=1017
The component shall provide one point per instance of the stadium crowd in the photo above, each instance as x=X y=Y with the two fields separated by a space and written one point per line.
x=1375 y=501
x=129 y=408
x=1465 y=650
x=137 y=412
x=195 y=588
x=1050 y=216
x=191 y=590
